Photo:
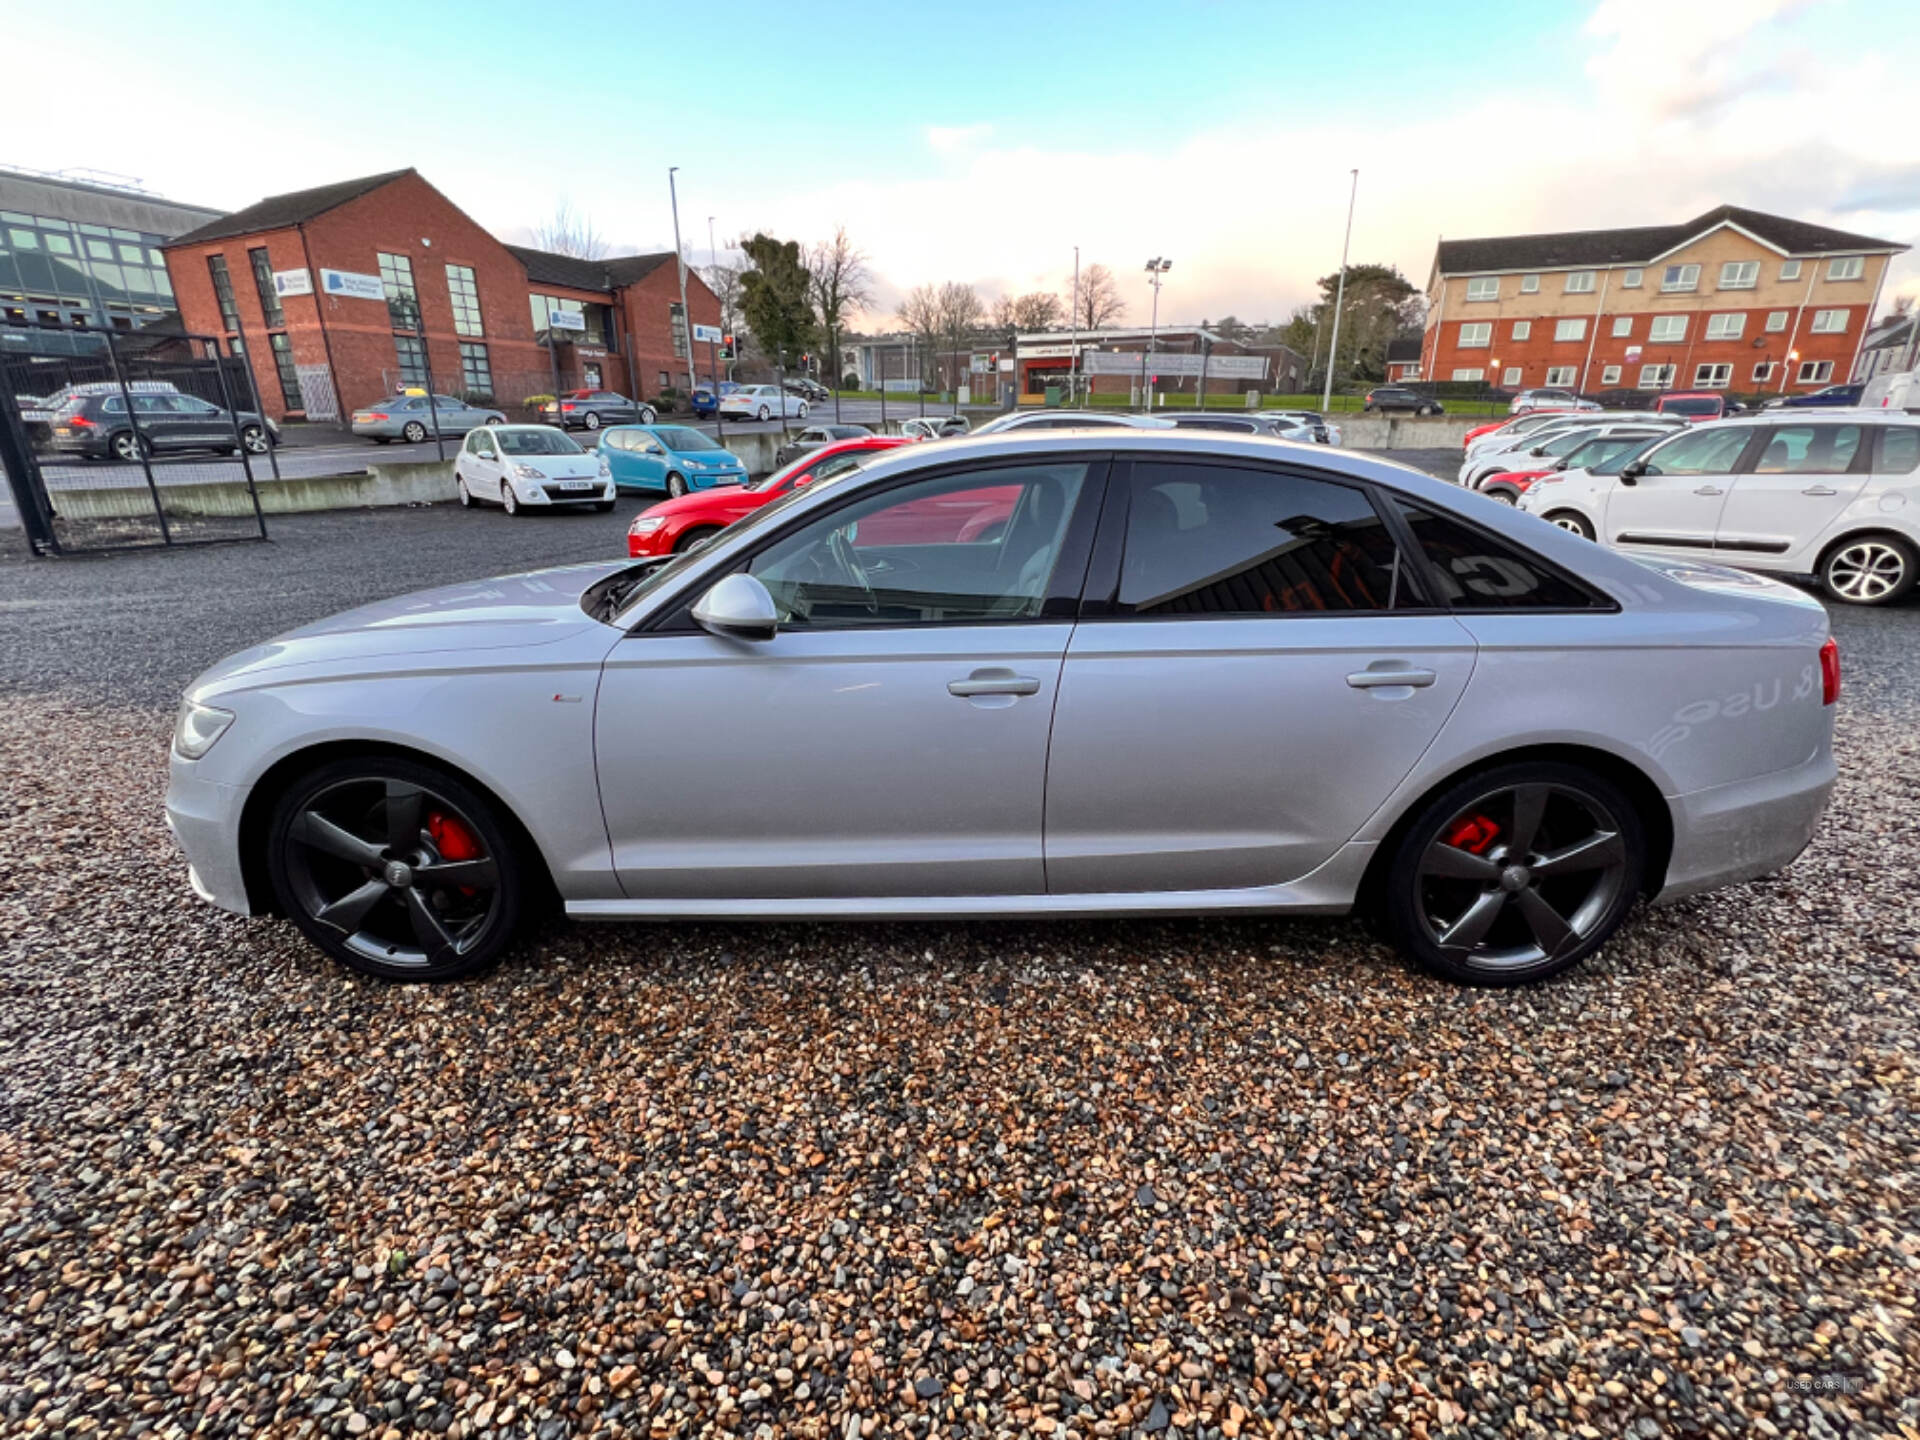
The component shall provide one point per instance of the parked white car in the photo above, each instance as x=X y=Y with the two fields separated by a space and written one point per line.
x=530 y=467
x=1834 y=494
x=1575 y=451
x=762 y=402
x=1552 y=441
x=1549 y=400
x=1895 y=390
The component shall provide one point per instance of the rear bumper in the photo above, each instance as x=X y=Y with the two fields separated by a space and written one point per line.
x=1747 y=829
x=203 y=817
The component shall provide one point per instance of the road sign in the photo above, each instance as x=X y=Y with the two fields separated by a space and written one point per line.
x=292 y=282
x=352 y=286
x=566 y=320
x=707 y=334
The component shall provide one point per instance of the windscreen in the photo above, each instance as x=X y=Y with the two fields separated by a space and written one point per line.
x=536 y=442
x=684 y=439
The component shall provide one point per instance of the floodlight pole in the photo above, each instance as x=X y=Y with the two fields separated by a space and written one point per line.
x=1073 y=346
x=1156 y=267
x=1340 y=296
x=680 y=260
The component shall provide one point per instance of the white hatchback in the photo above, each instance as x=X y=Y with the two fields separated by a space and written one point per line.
x=1836 y=495
x=521 y=467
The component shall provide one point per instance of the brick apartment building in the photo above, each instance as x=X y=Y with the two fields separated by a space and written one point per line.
x=1733 y=300
x=425 y=288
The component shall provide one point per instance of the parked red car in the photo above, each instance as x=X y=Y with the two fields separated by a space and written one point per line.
x=682 y=523
x=1509 y=485
x=1493 y=425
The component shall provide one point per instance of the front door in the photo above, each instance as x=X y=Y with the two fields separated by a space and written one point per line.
x=891 y=740
x=1674 y=507
x=1803 y=477
x=1269 y=671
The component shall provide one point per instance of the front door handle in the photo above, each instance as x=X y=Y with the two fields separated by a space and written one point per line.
x=993 y=682
x=1819 y=490
x=1389 y=673
x=1709 y=490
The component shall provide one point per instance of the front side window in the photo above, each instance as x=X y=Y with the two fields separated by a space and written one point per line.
x=403 y=302
x=1829 y=322
x=1846 y=267
x=1726 y=327
x=223 y=291
x=955 y=550
x=465 y=295
x=1703 y=452
x=1739 y=274
x=1475 y=571
x=1809 y=450
x=1570 y=329
x=1484 y=287
x=263 y=282
x=1580 y=282
x=1668 y=329
x=1222 y=540
x=1479 y=333
x=1680 y=277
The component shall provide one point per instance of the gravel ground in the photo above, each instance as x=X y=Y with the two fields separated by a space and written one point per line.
x=1230 y=1177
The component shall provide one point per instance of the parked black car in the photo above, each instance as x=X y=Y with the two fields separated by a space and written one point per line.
x=813 y=437
x=1398 y=397
x=590 y=409
x=98 y=427
x=812 y=391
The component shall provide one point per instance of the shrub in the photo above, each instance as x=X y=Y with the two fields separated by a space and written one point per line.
x=534 y=402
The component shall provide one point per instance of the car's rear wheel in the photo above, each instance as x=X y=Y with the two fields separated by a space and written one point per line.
x=1869 y=570
x=1572 y=520
x=648 y=415
x=128 y=446
x=413 y=432
x=396 y=869
x=699 y=535
x=1515 y=874
x=676 y=484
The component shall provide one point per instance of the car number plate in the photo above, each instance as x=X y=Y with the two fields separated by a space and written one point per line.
x=575 y=485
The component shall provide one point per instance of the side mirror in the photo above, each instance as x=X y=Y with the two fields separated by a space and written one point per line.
x=806 y=479
x=738 y=608
x=654 y=449
x=1538 y=450
x=1560 y=464
x=1631 y=472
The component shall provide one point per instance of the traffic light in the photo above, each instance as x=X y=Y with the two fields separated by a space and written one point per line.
x=726 y=347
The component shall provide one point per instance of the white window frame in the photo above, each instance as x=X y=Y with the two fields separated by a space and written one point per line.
x=1476 y=334
x=1511 y=376
x=1828 y=322
x=1847 y=267
x=1655 y=377
x=1610 y=375
x=1763 y=372
x=1574 y=327
x=1486 y=286
x=1675 y=324
x=1729 y=325
x=1815 y=372
x=1559 y=377
x=1739 y=274
x=1789 y=269
x=1776 y=321
x=1580 y=282
x=1632 y=279
x=1522 y=329
x=1622 y=325
x=1529 y=284
x=1466 y=375
x=1712 y=375
x=1678 y=278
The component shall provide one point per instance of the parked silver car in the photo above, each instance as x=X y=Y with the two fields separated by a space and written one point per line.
x=1047 y=675
x=1024 y=420
x=412 y=418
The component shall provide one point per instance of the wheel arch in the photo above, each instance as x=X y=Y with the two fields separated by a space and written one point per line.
x=273 y=782
x=1649 y=804
x=1862 y=532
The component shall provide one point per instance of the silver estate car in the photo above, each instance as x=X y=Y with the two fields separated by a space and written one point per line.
x=411 y=418
x=1094 y=672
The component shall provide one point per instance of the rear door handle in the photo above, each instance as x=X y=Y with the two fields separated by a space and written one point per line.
x=993 y=682
x=1819 y=490
x=1709 y=490
x=1390 y=672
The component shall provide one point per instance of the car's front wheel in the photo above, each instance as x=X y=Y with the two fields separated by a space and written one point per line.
x=396 y=869
x=509 y=501
x=592 y=422
x=413 y=432
x=676 y=484
x=1572 y=520
x=764 y=412
x=1514 y=874
x=699 y=535
x=254 y=438
x=1869 y=570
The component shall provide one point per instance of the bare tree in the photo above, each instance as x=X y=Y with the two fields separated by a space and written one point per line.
x=920 y=313
x=842 y=287
x=1036 y=310
x=960 y=315
x=724 y=280
x=1099 y=302
x=569 y=234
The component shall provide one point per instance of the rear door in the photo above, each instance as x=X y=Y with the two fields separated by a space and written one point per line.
x=1674 y=507
x=1261 y=668
x=1794 y=488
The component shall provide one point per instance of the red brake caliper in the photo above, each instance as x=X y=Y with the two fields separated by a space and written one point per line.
x=1473 y=833
x=453 y=840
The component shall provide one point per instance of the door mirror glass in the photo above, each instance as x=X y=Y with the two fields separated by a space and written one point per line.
x=737 y=608
x=1632 y=471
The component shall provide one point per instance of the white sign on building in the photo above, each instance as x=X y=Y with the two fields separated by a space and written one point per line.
x=1160 y=362
x=292 y=282
x=566 y=320
x=707 y=334
x=351 y=285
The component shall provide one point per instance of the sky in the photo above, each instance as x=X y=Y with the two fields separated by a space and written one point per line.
x=983 y=142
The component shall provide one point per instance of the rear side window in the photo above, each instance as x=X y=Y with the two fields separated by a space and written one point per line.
x=1225 y=540
x=1475 y=571
x=1899 y=450
x=1809 y=450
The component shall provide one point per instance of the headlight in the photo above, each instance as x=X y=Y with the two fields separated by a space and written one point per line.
x=645 y=526
x=196 y=727
x=527 y=472
x=605 y=469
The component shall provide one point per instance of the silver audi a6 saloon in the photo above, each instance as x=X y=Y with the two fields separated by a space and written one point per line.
x=1078 y=672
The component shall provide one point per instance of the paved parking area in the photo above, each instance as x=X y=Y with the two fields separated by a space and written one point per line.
x=1206 y=1178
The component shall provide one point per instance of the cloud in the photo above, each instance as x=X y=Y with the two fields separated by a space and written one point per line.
x=957 y=139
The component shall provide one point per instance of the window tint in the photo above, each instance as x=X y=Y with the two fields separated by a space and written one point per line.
x=1899 y=450
x=1704 y=452
x=955 y=550
x=1225 y=540
x=1477 y=572
x=1809 y=450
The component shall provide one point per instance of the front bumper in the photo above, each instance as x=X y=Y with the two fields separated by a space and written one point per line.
x=534 y=492
x=1746 y=829
x=714 y=479
x=203 y=817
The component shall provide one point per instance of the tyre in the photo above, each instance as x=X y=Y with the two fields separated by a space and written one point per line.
x=254 y=438
x=466 y=495
x=1505 y=497
x=592 y=421
x=605 y=507
x=648 y=415
x=699 y=535
x=1572 y=520
x=126 y=445
x=413 y=432
x=1514 y=874
x=1869 y=569
x=396 y=869
x=764 y=412
x=676 y=484
x=1424 y=410
x=803 y=409
x=509 y=501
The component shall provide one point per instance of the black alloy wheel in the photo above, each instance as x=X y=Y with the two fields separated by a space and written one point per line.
x=395 y=869
x=1515 y=874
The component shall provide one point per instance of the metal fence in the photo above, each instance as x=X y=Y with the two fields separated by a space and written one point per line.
x=115 y=440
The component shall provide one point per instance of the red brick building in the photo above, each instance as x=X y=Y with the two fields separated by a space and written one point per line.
x=1732 y=300
x=345 y=293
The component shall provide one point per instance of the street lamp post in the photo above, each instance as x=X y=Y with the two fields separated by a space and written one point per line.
x=1340 y=296
x=1073 y=344
x=1156 y=267
x=680 y=259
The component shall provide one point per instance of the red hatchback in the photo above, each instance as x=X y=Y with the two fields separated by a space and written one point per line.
x=680 y=524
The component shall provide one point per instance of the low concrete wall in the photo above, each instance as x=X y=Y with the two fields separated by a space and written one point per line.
x=1405 y=432
x=418 y=482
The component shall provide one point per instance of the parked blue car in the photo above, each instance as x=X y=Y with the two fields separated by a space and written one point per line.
x=706 y=400
x=1834 y=395
x=673 y=458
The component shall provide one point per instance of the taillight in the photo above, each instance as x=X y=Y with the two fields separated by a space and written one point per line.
x=80 y=422
x=567 y=406
x=376 y=416
x=1830 y=671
